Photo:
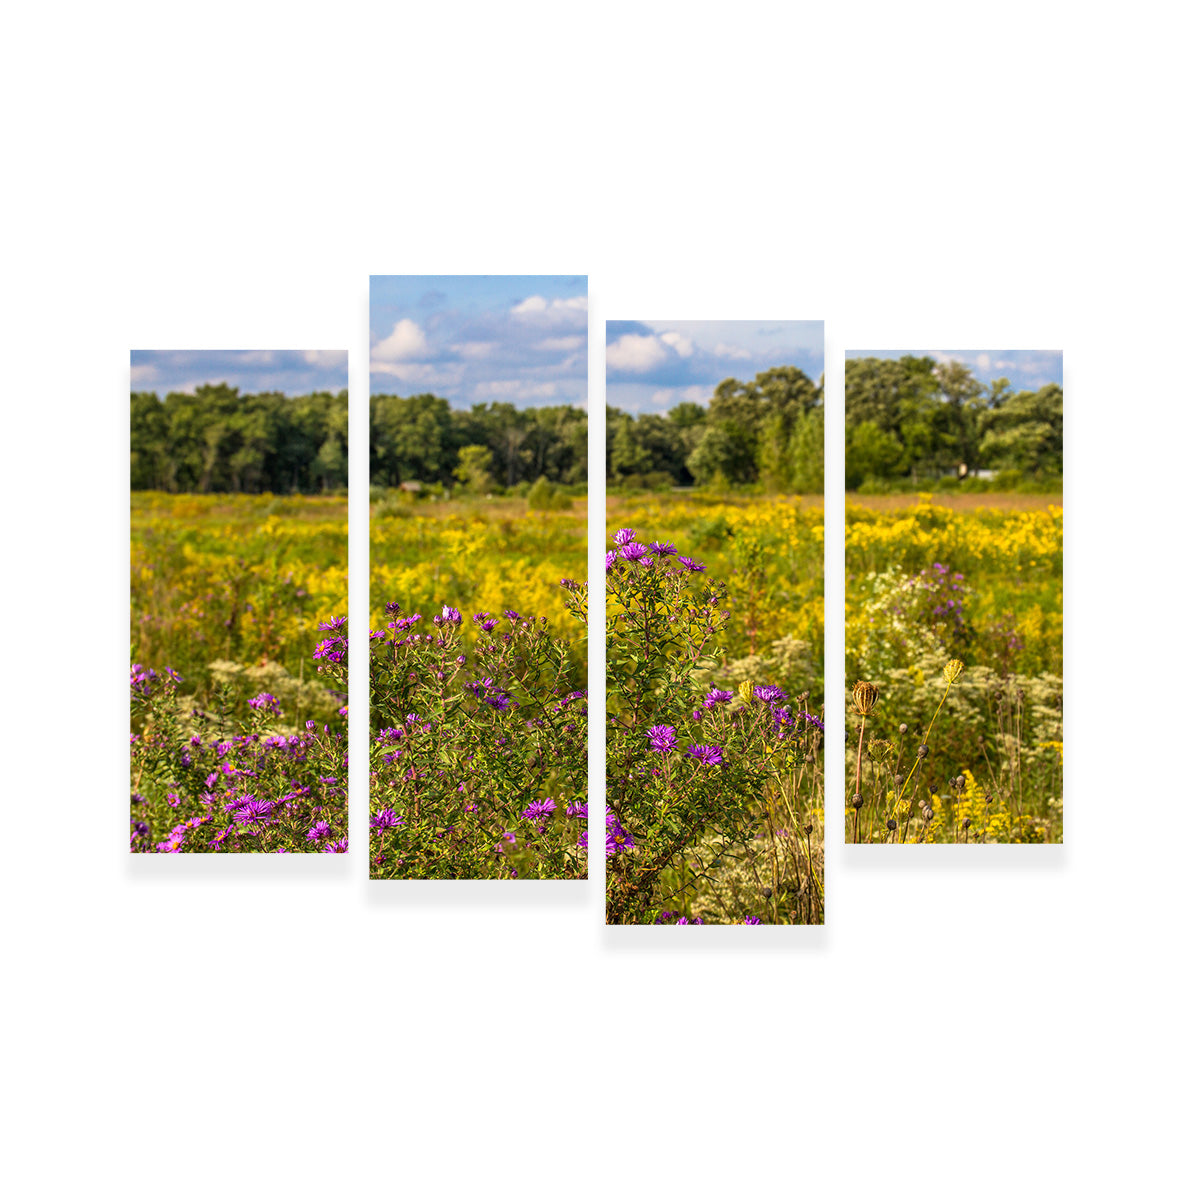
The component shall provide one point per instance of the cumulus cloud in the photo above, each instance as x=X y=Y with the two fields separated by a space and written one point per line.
x=683 y=346
x=418 y=374
x=636 y=352
x=572 y=309
x=725 y=350
x=572 y=342
x=143 y=373
x=983 y=361
x=325 y=358
x=405 y=341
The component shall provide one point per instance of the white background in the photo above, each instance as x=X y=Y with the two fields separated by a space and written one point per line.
x=916 y=175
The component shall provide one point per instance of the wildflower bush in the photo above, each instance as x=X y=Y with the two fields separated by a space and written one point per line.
x=980 y=754
x=236 y=775
x=479 y=747
x=714 y=797
x=770 y=553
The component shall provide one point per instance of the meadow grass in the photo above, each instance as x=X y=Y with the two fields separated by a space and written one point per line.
x=485 y=555
x=238 y=579
x=976 y=758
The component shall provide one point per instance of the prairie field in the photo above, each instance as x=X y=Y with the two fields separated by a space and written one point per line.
x=233 y=578
x=478 y=556
x=954 y=618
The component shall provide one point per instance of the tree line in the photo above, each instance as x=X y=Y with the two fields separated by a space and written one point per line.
x=769 y=431
x=422 y=439
x=914 y=418
x=216 y=440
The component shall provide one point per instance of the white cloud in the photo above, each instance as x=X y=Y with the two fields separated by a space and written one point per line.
x=143 y=373
x=983 y=361
x=665 y=398
x=681 y=345
x=420 y=374
x=473 y=349
x=725 y=350
x=635 y=352
x=325 y=358
x=572 y=342
x=514 y=389
x=405 y=341
x=571 y=309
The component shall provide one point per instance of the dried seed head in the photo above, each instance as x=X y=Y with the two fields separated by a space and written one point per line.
x=865 y=695
x=966 y=822
x=767 y=893
x=746 y=691
x=922 y=751
x=879 y=750
x=808 y=828
x=952 y=670
x=960 y=782
x=903 y=728
x=856 y=800
x=891 y=824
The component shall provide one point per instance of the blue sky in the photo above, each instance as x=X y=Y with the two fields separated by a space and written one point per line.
x=1026 y=370
x=475 y=339
x=293 y=372
x=650 y=366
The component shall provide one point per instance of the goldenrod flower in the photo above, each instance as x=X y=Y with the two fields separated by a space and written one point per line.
x=865 y=695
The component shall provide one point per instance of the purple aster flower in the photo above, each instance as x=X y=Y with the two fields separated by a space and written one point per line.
x=391 y=608
x=320 y=830
x=752 y=921
x=633 y=551
x=624 y=536
x=662 y=548
x=816 y=722
x=264 y=700
x=539 y=810
x=611 y=558
x=333 y=625
x=770 y=693
x=690 y=563
x=662 y=738
x=582 y=843
x=141 y=828
x=619 y=839
x=385 y=819
x=716 y=696
x=338 y=847
x=711 y=756
x=252 y=810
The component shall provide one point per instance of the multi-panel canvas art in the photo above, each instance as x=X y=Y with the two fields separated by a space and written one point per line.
x=954 y=597
x=238 y=540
